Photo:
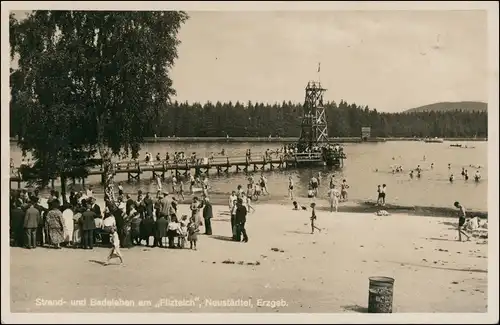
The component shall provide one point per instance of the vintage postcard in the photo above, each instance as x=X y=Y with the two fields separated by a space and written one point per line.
x=250 y=162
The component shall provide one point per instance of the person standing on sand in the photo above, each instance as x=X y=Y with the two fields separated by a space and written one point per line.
x=232 y=198
x=31 y=219
x=54 y=225
x=263 y=185
x=207 y=215
x=451 y=178
x=115 y=250
x=88 y=226
x=233 y=218
x=174 y=183
x=181 y=190
x=343 y=190
x=205 y=186
x=241 y=219
x=332 y=181
x=195 y=210
x=290 y=187
x=160 y=231
x=250 y=186
x=383 y=193
x=16 y=223
x=313 y=218
x=192 y=182
x=333 y=196
x=314 y=185
x=193 y=230
x=477 y=177
x=461 y=220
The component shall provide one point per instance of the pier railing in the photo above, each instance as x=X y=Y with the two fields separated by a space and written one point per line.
x=255 y=162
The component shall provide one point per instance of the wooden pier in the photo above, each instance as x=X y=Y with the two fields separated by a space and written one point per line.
x=201 y=167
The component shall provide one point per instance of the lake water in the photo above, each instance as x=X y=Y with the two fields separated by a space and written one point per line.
x=360 y=171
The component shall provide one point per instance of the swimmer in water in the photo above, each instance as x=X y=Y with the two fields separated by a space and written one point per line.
x=451 y=178
x=477 y=176
x=418 y=168
x=466 y=175
x=411 y=174
x=432 y=165
x=449 y=166
x=463 y=172
x=418 y=174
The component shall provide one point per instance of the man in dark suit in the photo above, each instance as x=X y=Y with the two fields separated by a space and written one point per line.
x=160 y=230
x=41 y=234
x=128 y=204
x=149 y=206
x=241 y=219
x=16 y=224
x=30 y=225
x=207 y=215
x=120 y=223
x=95 y=208
x=88 y=226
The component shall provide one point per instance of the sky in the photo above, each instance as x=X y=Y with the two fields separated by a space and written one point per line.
x=388 y=60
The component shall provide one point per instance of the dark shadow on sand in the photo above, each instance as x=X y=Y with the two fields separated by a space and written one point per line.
x=451 y=224
x=300 y=232
x=429 y=211
x=356 y=308
x=98 y=262
x=442 y=239
x=218 y=237
x=442 y=268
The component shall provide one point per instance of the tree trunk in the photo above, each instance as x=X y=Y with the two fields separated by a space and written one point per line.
x=63 y=188
x=108 y=173
x=107 y=168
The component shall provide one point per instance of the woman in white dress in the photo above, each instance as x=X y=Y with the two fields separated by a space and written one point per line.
x=77 y=231
x=68 y=224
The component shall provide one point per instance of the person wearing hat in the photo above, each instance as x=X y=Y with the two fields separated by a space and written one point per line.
x=166 y=206
x=241 y=218
x=207 y=215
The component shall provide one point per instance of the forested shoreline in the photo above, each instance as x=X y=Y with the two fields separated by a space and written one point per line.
x=283 y=120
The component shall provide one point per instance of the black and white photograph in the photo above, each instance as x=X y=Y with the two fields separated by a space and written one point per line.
x=250 y=162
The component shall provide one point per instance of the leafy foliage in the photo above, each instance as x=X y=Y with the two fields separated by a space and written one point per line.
x=344 y=120
x=88 y=81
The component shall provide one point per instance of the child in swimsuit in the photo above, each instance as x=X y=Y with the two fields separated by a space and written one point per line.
x=290 y=187
x=313 y=218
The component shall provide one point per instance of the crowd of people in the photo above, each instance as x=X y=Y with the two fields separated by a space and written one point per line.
x=81 y=222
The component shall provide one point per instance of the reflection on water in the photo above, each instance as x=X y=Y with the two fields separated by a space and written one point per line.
x=367 y=165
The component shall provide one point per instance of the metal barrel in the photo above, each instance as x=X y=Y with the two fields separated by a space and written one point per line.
x=380 y=294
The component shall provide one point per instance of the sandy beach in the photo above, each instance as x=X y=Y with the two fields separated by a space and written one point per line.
x=321 y=272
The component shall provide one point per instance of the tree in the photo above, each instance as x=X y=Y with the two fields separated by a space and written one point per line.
x=91 y=81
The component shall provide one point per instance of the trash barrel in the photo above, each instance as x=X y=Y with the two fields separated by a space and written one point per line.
x=380 y=294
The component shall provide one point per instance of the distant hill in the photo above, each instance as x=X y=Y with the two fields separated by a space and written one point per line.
x=450 y=106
